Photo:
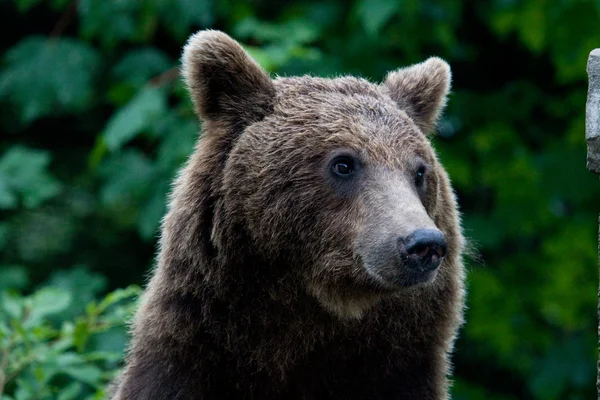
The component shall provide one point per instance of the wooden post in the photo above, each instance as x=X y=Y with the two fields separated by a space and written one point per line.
x=592 y=137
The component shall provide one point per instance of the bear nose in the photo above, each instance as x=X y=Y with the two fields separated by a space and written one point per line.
x=424 y=249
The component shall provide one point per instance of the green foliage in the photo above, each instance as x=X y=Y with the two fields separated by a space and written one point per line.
x=24 y=178
x=95 y=122
x=375 y=14
x=47 y=354
x=135 y=116
x=44 y=77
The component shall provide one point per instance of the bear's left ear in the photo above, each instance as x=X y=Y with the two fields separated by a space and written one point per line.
x=225 y=83
x=421 y=90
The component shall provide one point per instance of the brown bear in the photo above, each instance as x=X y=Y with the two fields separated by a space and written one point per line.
x=312 y=248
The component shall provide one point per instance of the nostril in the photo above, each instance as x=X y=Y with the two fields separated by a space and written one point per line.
x=440 y=251
x=420 y=250
x=425 y=243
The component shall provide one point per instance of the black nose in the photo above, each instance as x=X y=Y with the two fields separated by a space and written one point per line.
x=424 y=249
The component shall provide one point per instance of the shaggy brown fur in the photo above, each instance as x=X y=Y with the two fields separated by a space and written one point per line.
x=276 y=278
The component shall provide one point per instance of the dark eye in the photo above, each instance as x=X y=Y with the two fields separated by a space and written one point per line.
x=343 y=166
x=420 y=176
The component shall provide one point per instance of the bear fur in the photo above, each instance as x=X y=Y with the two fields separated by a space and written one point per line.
x=277 y=278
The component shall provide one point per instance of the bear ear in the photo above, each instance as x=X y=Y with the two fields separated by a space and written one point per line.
x=421 y=90
x=225 y=83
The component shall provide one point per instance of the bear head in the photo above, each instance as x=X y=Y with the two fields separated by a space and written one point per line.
x=328 y=183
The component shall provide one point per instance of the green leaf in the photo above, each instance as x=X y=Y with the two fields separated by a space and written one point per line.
x=133 y=118
x=82 y=284
x=109 y=356
x=41 y=233
x=374 y=14
x=5 y=332
x=70 y=392
x=23 y=174
x=43 y=332
x=12 y=304
x=46 y=78
x=117 y=296
x=533 y=25
x=81 y=334
x=25 y=391
x=178 y=141
x=567 y=361
x=129 y=177
x=139 y=65
x=68 y=359
x=111 y=21
x=8 y=198
x=13 y=277
x=154 y=209
x=47 y=301
x=293 y=32
x=113 y=340
x=88 y=373
x=179 y=16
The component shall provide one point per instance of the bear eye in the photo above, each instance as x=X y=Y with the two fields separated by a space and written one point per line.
x=420 y=176
x=343 y=166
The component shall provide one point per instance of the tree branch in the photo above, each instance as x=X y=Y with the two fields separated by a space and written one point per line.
x=64 y=20
x=165 y=77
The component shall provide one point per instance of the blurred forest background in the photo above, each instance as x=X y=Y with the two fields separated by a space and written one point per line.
x=94 y=123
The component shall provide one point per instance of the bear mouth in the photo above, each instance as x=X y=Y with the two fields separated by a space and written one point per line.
x=417 y=279
x=398 y=278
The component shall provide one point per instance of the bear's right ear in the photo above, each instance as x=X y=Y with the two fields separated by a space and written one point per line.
x=225 y=83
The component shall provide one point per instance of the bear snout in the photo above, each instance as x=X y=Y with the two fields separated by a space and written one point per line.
x=423 y=250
